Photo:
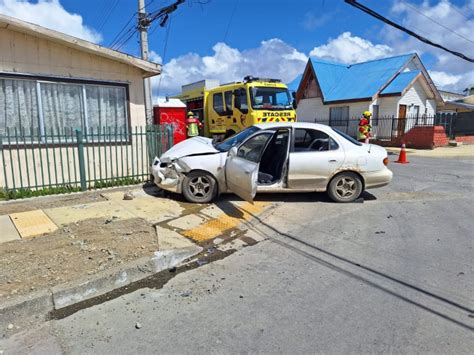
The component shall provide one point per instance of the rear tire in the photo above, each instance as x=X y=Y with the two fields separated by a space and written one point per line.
x=199 y=187
x=345 y=187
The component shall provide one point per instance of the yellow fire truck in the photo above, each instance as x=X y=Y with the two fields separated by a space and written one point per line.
x=229 y=108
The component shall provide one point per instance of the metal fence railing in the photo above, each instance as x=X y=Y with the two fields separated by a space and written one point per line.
x=32 y=162
x=390 y=128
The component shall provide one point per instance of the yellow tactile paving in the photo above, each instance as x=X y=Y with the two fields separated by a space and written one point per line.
x=32 y=223
x=218 y=226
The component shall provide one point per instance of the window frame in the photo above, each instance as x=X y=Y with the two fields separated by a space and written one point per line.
x=331 y=119
x=38 y=79
x=255 y=135
x=293 y=141
x=229 y=111
x=221 y=93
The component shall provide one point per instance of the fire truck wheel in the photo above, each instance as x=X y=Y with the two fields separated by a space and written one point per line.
x=199 y=187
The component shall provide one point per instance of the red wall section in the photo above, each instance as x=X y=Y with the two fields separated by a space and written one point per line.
x=425 y=137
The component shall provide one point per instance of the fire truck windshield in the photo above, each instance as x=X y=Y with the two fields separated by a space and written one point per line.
x=268 y=98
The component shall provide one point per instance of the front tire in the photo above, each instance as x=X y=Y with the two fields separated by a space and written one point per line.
x=199 y=187
x=345 y=187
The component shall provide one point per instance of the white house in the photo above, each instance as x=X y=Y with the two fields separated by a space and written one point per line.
x=398 y=87
x=53 y=83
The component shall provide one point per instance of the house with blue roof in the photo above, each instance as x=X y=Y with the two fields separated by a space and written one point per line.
x=398 y=86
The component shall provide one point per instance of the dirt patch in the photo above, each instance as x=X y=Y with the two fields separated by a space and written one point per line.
x=34 y=203
x=72 y=252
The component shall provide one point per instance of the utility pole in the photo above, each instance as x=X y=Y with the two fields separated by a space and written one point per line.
x=143 y=24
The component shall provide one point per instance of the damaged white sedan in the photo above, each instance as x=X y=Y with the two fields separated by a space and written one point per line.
x=273 y=157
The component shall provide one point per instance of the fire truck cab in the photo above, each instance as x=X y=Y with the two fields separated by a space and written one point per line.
x=229 y=108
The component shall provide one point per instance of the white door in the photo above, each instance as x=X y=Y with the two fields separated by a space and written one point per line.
x=314 y=159
x=241 y=169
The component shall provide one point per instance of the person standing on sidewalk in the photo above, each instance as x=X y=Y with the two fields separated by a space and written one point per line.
x=363 y=134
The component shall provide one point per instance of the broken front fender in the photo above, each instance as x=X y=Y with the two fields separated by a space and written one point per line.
x=167 y=176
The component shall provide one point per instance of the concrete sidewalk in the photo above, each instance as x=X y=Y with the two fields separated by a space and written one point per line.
x=61 y=256
x=465 y=150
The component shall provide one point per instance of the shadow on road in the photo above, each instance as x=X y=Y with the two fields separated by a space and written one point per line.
x=369 y=269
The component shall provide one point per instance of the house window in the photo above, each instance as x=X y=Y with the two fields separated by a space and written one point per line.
x=338 y=114
x=38 y=106
x=18 y=105
x=375 y=115
x=416 y=111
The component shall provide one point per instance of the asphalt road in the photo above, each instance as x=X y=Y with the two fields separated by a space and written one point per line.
x=392 y=274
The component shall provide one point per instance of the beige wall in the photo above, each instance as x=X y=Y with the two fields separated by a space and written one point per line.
x=25 y=54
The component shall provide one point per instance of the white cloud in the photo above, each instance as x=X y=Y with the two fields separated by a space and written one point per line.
x=273 y=58
x=154 y=57
x=50 y=14
x=311 y=21
x=443 y=79
x=350 y=49
x=416 y=17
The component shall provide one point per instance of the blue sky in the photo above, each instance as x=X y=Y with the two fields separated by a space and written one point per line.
x=269 y=37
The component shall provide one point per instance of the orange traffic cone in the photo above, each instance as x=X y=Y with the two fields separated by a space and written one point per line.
x=402 y=158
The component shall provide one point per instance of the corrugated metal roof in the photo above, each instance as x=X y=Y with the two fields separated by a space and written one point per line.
x=400 y=82
x=356 y=81
x=293 y=85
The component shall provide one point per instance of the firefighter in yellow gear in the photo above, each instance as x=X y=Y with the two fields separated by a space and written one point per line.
x=192 y=124
x=363 y=134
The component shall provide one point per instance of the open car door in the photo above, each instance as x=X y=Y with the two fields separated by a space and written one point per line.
x=241 y=168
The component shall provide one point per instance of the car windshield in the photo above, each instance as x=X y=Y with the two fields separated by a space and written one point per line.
x=268 y=98
x=236 y=139
x=346 y=136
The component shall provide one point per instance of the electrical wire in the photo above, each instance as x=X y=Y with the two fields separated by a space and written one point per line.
x=460 y=13
x=120 y=45
x=125 y=30
x=99 y=15
x=439 y=24
x=376 y=15
x=164 y=55
x=226 y=33
x=107 y=16
x=124 y=27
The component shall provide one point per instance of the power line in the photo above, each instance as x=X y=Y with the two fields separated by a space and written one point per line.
x=228 y=26
x=122 y=43
x=121 y=34
x=100 y=14
x=460 y=13
x=164 y=56
x=406 y=30
x=124 y=27
x=440 y=24
x=107 y=16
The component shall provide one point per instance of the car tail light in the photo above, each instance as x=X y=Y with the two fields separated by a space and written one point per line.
x=385 y=161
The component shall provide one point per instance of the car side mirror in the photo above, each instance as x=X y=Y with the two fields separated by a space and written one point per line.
x=294 y=104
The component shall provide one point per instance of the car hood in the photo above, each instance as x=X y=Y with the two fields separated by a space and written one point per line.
x=188 y=147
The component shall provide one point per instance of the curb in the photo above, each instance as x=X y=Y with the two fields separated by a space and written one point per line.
x=36 y=307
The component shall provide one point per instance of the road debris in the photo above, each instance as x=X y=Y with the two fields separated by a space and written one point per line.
x=127 y=196
x=138 y=325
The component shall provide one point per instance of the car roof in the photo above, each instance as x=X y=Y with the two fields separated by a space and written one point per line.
x=310 y=125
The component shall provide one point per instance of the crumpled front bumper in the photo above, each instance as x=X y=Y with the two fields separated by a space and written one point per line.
x=167 y=176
